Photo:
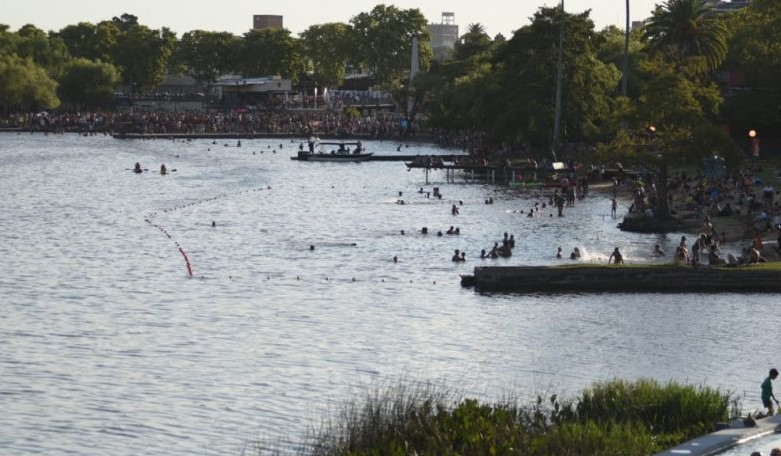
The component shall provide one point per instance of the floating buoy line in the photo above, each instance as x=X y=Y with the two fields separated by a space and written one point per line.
x=149 y=218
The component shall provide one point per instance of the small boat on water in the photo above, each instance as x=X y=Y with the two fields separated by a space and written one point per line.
x=333 y=151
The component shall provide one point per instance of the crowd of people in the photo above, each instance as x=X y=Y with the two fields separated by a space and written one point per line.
x=278 y=122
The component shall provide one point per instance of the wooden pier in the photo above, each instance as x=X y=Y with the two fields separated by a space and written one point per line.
x=490 y=174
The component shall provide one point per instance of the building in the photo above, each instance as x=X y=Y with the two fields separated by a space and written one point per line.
x=239 y=91
x=266 y=21
x=444 y=36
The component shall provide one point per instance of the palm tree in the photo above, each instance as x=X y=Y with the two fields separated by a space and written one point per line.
x=475 y=29
x=689 y=33
x=474 y=42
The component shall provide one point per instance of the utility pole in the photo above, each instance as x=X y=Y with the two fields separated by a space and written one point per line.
x=557 y=117
x=625 y=78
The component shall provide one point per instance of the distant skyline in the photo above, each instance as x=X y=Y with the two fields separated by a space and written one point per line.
x=235 y=16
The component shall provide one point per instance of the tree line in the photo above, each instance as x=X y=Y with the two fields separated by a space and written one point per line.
x=501 y=88
x=84 y=64
x=691 y=74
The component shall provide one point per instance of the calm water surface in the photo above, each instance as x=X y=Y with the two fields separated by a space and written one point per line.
x=107 y=346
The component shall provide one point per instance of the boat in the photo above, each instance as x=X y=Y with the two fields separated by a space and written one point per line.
x=333 y=151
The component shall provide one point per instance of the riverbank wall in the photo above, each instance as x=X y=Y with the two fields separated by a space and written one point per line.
x=626 y=279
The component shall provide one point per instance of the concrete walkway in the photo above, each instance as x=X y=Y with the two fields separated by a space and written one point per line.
x=720 y=441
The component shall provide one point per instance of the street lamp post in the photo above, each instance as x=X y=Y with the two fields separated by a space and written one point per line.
x=754 y=143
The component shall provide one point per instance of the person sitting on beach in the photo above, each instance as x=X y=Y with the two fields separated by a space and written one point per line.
x=658 y=252
x=713 y=257
x=755 y=257
x=616 y=257
x=732 y=260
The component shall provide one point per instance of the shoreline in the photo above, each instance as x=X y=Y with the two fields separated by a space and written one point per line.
x=733 y=230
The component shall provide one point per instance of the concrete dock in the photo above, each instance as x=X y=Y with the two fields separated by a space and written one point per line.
x=625 y=279
x=720 y=441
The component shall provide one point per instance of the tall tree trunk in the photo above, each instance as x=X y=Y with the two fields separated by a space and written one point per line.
x=662 y=208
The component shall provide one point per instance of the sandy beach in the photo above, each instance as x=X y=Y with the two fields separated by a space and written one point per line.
x=735 y=231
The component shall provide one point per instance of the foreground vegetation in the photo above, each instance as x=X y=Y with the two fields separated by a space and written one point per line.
x=612 y=418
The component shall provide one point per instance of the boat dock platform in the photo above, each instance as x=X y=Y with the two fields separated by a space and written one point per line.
x=599 y=278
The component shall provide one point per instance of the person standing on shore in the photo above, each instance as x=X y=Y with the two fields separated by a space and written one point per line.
x=767 y=391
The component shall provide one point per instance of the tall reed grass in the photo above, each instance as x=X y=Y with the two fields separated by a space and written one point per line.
x=617 y=417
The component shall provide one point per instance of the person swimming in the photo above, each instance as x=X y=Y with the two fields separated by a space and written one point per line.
x=457 y=256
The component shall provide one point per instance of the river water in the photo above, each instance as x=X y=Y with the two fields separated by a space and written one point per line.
x=108 y=346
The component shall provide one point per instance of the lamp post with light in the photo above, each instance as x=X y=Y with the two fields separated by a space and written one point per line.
x=754 y=143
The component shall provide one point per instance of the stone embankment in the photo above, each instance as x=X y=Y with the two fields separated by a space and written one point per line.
x=629 y=278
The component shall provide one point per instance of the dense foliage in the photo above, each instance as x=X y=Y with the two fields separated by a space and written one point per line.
x=616 y=417
x=690 y=73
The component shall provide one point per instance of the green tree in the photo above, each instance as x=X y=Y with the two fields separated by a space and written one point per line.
x=207 y=55
x=89 y=84
x=8 y=41
x=142 y=55
x=25 y=86
x=271 y=52
x=328 y=47
x=454 y=91
x=672 y=122
x=49 y=53
x=474 y=42
x=755 y=62
x=383 y=42
x=611 y=51
x=90 y=41
x=689 y=34
x=526 y=70
x=125 y=22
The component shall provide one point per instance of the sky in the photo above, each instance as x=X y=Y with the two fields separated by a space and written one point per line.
x=235 y=16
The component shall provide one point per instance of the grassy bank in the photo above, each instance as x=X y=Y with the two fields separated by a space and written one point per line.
x=611 y=418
